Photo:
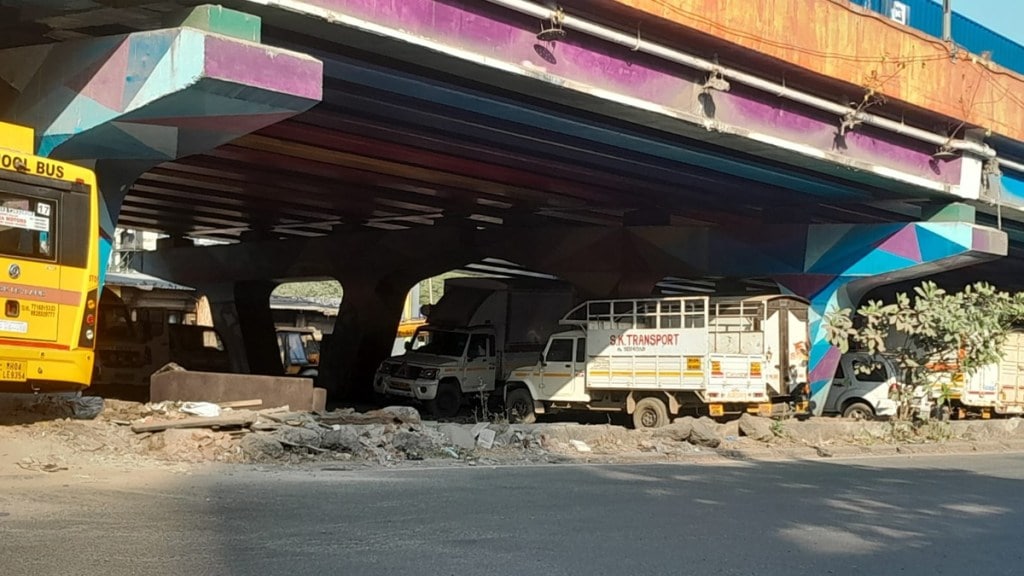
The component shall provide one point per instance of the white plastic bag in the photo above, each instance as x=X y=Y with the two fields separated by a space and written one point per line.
x=204 y=409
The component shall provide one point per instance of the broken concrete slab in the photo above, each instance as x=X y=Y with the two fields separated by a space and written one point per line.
x=459 y=436
x=679 y=430
x=261 y=447
x=756 y=427
x=343 y=438
x=389 y=415
x=297 y=436
x=705 y=433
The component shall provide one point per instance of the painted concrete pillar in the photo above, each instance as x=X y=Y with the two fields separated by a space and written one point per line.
x=843 y=263
x=127 y=103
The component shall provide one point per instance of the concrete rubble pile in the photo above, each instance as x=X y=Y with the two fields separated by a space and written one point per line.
x=52 y=436
x=389 y=434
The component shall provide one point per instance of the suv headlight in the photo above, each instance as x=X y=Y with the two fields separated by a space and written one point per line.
x=386 y=368
x=428 y=373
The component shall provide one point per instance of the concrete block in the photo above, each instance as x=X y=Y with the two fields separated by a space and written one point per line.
x=186 y=386
x=219 y=20
x=319 y=400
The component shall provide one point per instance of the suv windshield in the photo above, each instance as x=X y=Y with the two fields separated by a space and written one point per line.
x=440 y=343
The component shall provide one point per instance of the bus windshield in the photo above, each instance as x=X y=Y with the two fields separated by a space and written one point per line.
x=26 y=226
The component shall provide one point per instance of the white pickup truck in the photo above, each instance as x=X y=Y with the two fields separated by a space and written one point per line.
x=651 y=358
x=480 y=330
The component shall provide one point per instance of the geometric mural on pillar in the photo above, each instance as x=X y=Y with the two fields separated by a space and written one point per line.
x=133 y=101
x=156 y=95
x=842 y=263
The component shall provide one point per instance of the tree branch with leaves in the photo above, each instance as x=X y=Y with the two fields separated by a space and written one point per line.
x=930 y=334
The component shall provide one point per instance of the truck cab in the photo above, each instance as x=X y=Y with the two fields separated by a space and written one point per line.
x=121 y=351
x=442 y=367
x=128 y=352
x=300 y=351
x=860 y=388
x=476 y=333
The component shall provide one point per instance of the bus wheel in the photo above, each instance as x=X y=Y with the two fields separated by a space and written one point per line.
x=519 y=406
x=650 y=413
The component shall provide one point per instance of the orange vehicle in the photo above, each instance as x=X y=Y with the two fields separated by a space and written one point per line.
x=49 y=262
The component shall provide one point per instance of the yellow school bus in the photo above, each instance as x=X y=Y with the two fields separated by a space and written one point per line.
x=49 y=268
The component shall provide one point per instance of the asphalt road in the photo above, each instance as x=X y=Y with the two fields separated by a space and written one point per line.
x=921 y=516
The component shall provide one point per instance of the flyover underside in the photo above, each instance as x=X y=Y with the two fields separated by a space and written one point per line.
x=469 y=116
x=449 y=133
x=831 y=266
x=470 y=139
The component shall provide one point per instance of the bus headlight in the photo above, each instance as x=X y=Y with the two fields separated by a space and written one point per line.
x=89 y=334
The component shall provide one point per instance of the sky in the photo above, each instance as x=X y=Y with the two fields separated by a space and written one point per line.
x=1003 y=16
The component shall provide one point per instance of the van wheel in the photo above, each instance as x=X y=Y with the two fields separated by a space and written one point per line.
x=859 y=411
x=447 y=402
x=650 y=413
x=519 y=406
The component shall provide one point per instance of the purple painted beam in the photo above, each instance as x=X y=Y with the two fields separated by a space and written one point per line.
x=586 y=64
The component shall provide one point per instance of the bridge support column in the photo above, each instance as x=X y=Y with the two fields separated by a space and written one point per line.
x=242 y=316
x=127 y=103
x=255 y=318
x=364 y=334
x=221 y=298
x=843 y=263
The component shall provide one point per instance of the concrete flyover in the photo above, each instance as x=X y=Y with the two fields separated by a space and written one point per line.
x=448 y=132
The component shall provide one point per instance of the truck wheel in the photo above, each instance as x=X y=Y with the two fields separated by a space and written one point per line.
x=519 y=406
x=859 y=411
x=447 y=402
x=650 y=413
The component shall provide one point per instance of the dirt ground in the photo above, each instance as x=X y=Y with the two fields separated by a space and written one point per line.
x=42 y=437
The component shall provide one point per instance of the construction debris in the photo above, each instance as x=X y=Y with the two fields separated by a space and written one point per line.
x=204 y=409
x=233 y=420
x=33 y=464
x=256 y=403
x=43 y=435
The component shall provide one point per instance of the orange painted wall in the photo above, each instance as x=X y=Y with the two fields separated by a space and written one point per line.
x=842 y=41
